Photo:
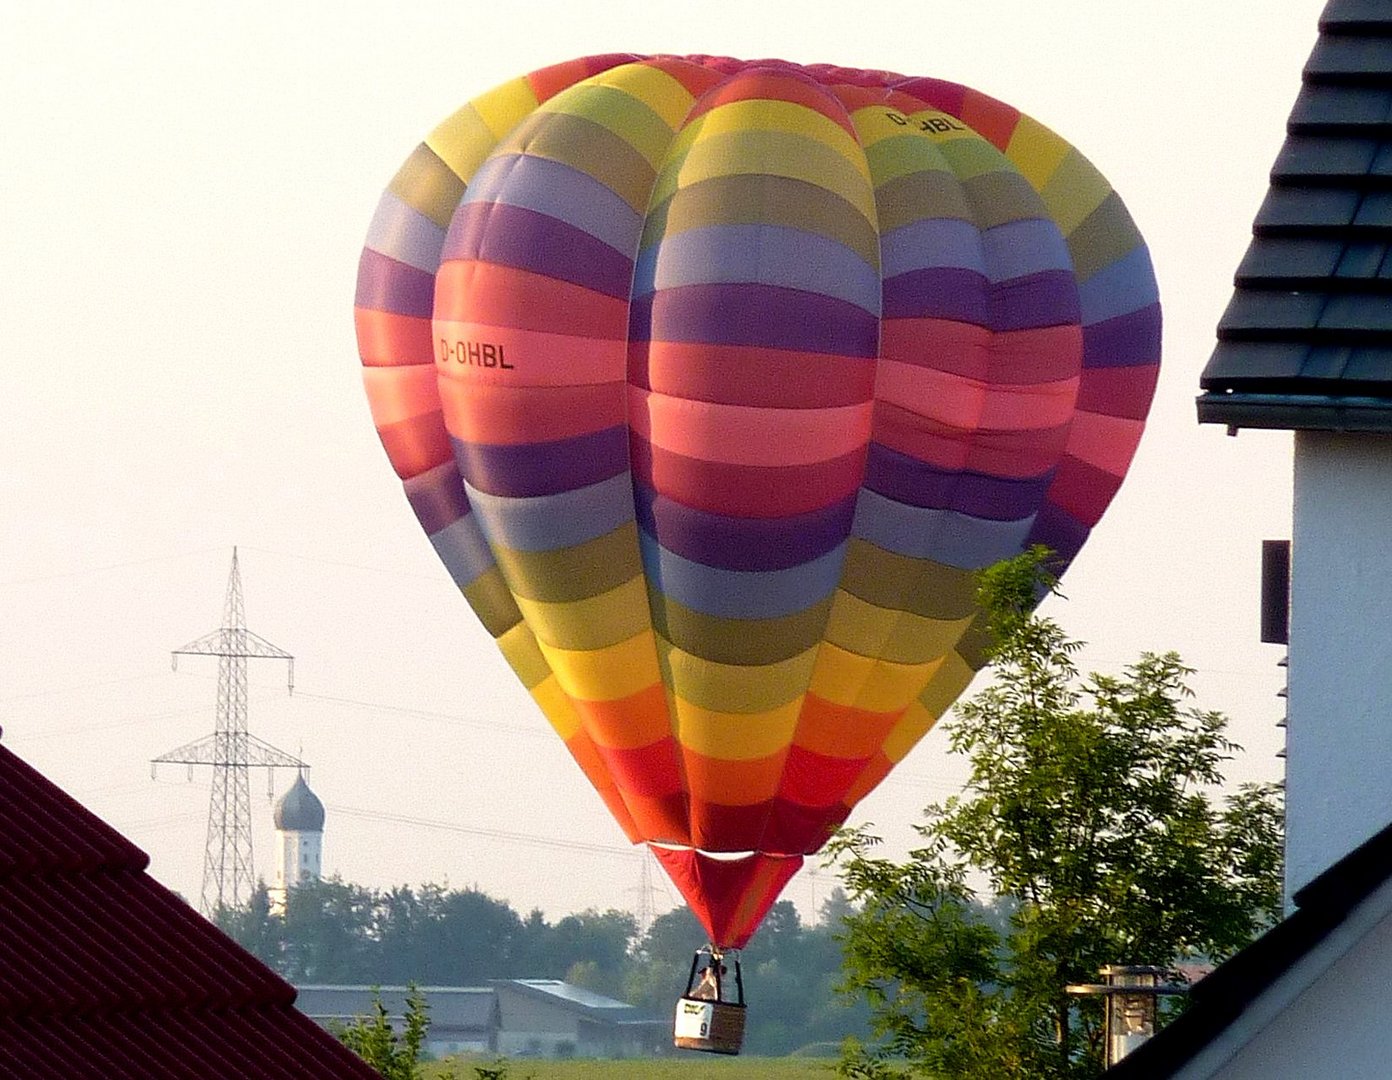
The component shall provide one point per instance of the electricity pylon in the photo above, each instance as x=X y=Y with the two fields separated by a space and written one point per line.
x=228 y=876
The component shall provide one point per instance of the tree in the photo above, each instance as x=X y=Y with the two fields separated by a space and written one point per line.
x=395 y=1056
x=1090 y=812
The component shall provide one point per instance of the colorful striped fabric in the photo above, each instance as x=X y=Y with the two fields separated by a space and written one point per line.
x=713 y=384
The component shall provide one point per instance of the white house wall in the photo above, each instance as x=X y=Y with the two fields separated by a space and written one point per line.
x=1339 y=734
x=1334 y=1029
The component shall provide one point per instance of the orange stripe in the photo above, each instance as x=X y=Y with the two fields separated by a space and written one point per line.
x=732 y=783
x=839 y=731
x=970 y=404
x=628 y=723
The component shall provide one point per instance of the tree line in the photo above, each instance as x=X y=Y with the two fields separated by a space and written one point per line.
x=337 y=932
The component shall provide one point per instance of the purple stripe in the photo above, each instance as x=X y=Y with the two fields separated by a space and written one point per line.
x=939 y=292
x=908 y=480
x=544 y=468
x=387 y=285
x=762 y=315
x=1049 y=298
x=1126 y=341
x=437 y=496
x=1060 y=532
x=514 y=236
x=737 y=543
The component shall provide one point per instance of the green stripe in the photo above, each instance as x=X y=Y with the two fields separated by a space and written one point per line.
x=756 y=199
x=902 y=583
x=427 y=184
x=620 y=112
x=737 y=641
x=587 y=146
x=573 y=573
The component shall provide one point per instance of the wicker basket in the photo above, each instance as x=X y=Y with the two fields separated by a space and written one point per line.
x=716 y=1027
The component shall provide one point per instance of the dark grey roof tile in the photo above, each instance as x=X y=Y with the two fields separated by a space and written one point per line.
x=1280 y=258
x=1324 y=156
x=1375 y=210
x=1359 y=312
x=1340 y=14
x=1267 y=312
x=1287 y=207
x=1325 y=362
x=1234 y=361
x=1350 y=56
x=1371 y=364
x=1340 y=107
x=1361 y=261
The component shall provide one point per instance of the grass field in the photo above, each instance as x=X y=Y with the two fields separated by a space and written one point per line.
x=686 y=1066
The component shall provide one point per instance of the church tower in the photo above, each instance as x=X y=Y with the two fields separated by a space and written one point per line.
x=299 y=822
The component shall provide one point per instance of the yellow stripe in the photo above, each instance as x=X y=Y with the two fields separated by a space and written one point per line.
x=897 y=636
x=1036 y=151
x=843 y=678
x=463 y=141
x=519 y=649
x=1074 y=191
x=737 y=736
x=592 y=623
x=735 y=688
x=557 y=707
x=505 y=106
x=764 y=114
x=623 y=113
x=772 y=153
x=904 y=736
x=617 y=671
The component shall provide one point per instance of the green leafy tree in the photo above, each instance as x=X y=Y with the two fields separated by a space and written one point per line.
x=396 y=1055
x=1092 y=814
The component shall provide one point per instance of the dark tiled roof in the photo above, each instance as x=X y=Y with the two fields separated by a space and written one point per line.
x=1219 y=1000
x=1307 y=340
x=104 y=973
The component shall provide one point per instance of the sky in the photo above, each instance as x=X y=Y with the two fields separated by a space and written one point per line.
x=186 y=188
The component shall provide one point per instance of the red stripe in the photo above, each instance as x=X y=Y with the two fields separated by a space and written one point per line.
x=416 y=445
x=995 y=453
x=771 y=85
x=1082 y=490
x=993 y=120
x=750 y=375
x=745 y=490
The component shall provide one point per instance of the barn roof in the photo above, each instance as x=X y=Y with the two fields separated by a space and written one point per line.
x=1306 y=342
x=105 y=972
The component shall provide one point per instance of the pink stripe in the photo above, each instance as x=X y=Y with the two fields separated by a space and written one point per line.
x=747 y=435
x=399 y=393
x=1105 y=442
x=970 y=404
x=525 y=357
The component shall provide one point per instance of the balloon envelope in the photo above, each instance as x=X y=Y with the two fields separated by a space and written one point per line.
x=714 y=383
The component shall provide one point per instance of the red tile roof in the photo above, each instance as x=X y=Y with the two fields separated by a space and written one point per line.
x=107 y=975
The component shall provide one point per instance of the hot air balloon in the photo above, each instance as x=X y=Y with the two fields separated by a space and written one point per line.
x=714 y=382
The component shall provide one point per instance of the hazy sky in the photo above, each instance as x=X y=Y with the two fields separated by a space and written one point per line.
x=186 y=188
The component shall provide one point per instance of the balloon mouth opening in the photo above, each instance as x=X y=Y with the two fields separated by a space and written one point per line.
x=721 y=856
